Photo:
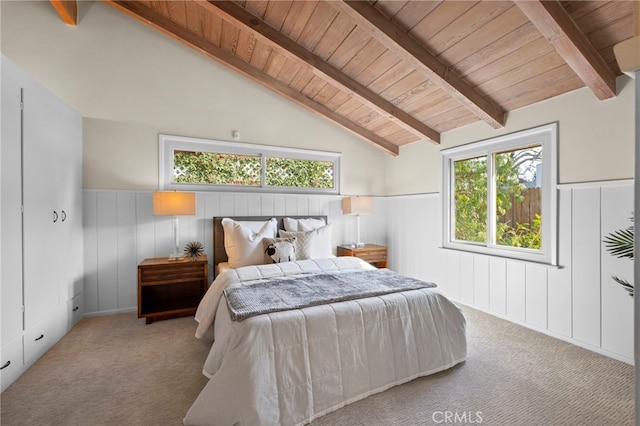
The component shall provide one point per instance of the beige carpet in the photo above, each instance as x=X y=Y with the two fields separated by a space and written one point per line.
x=115 y=370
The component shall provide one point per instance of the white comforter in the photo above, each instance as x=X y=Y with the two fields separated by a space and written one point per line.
x=290 y=367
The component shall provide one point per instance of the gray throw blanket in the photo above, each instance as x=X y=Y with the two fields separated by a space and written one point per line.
x=283 y=294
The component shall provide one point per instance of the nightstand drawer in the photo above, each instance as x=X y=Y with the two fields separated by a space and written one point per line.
x=373 y=256
x=183 y=271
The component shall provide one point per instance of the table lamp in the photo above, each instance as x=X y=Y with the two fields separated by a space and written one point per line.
x=174 y=203
x=357 y=206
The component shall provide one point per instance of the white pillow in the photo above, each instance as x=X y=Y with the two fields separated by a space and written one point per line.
x=302 y=224
x=322 y=246
x=254 y=226
x=244 y=246
x=321 y=241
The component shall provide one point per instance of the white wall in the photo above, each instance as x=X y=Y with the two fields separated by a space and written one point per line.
x=577 y=302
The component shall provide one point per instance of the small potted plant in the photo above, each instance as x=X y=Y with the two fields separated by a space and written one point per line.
x=193 y=250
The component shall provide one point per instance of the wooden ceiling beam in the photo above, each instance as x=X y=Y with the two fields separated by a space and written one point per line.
x=68 y=10
x=147 y=16
x=395 y=38
x=555 y=24
x=239 y=17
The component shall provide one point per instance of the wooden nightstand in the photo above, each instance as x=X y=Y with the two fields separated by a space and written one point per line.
x=372 y=253
x=171 y=288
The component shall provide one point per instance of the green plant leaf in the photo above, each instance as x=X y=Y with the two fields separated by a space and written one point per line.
x=625 y=284
x=620 y=243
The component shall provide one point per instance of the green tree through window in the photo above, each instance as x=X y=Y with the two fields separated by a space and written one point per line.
x=291 y=172
x=471 y=199
x=516 y=183
x=216 y=169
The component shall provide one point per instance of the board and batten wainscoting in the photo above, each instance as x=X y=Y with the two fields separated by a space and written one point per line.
x=577 y=302
x=121 y=231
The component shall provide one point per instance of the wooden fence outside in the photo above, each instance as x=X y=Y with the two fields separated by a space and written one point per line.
x=524 y=211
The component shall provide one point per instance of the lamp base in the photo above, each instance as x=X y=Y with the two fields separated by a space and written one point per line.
x=356 y=245
x=176 y=256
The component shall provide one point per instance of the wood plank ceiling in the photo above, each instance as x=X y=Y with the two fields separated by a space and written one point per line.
x=397 y=72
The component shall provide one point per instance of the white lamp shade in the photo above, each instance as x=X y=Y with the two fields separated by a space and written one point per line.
x=357 y=205
x=174 y=203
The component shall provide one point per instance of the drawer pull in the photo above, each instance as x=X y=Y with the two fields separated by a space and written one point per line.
x=39 y=337
x=76 y=308
x=6 y=365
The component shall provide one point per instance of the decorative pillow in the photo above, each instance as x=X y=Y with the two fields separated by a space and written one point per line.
x=244 y=246
x=306 y=224
x=322 y=246
x=279 y=250
x=304 y=243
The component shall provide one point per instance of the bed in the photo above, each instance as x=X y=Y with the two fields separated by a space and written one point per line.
x=289 y=366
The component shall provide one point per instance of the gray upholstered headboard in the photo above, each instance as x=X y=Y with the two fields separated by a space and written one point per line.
x=220 y=255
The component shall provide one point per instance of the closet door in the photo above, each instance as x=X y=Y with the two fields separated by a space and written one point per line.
x=43 y=138
x=70 y=202
x=11 y=308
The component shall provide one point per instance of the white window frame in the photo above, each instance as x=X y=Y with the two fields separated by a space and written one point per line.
x=547 y=135
x=169 y=144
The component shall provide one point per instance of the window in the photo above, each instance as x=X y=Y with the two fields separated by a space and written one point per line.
x=201 y=164
x=499 y=196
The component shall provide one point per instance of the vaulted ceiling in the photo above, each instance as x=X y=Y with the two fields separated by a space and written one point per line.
x=397 y=72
